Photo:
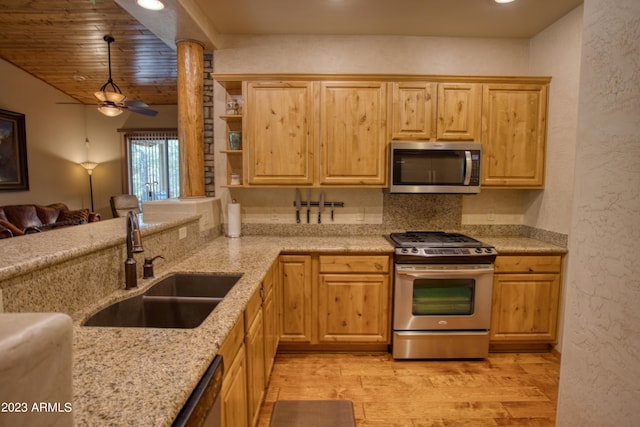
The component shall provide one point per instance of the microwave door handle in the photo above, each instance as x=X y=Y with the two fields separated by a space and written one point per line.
x=468 y=166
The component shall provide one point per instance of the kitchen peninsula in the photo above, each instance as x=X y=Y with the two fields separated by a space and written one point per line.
x=144 y=374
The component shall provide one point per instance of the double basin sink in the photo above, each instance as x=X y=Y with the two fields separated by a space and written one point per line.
x=180 y=300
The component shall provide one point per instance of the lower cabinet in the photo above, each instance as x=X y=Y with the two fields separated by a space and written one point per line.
x=249 y=352
x=526 y=300
x=233 y=395
x=335 y=301
x=254 y=346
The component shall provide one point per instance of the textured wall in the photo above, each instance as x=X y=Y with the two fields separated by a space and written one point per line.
x=600 y=372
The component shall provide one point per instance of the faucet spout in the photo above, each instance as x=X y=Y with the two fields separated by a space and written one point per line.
x=134 y=245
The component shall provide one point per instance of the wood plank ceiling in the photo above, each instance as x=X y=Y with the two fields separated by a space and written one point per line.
x=61 y=42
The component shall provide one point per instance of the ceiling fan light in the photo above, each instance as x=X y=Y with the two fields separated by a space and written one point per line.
x=109 y=96
x=110 y=110
x=151 y=4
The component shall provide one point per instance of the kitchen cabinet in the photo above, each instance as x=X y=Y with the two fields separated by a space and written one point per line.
x=271 y=330
x=254 y=347
x=335 y=301
x=514 y=123
x=279 y=136
x=354 y=299
x=295 y=298
x=353 y=133
x=233 y=394
x=526 y=300
x=459 y=108
x=436 y=111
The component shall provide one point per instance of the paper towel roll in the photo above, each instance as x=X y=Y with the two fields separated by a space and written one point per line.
x=233 y=215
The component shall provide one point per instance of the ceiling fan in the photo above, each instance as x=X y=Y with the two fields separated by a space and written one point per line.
x=112 y=101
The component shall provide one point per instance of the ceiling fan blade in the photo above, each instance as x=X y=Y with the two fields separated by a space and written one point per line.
x=141 y=110
x=134 y=103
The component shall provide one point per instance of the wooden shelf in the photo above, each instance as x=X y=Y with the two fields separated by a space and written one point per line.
x=231 y=151
x=231 y=117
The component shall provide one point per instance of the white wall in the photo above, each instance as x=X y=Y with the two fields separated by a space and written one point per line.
x=600 y=370
x=56 y=143
x=556 y=52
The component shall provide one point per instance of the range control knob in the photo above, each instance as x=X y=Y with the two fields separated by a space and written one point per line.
x=478 y=250
x=404 y=250
x=414 y=250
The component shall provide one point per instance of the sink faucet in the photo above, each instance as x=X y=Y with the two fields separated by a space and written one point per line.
x=134 y=245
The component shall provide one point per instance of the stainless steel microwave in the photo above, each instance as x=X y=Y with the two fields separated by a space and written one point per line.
x=435 y=167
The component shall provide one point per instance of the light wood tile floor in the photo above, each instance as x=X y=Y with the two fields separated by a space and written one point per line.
x=504 y=390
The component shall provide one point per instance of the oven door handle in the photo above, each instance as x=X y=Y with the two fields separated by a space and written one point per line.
x=441 y=273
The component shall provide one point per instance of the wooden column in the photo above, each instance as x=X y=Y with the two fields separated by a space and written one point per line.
x=190 y=117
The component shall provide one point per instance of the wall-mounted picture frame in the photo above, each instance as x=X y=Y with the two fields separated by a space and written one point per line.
x=14 y=175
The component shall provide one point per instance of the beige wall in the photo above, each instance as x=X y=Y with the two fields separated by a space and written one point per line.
x=56 y=143
x=601 y=349
x=556 y=52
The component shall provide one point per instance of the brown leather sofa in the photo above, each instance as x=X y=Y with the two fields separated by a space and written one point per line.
x=16 y=220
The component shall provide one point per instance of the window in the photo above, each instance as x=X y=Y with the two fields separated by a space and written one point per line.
x=153 y=164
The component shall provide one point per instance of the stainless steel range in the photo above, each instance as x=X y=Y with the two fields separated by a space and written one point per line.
x=443 y=287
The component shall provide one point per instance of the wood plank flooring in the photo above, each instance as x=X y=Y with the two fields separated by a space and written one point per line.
x=507 y=389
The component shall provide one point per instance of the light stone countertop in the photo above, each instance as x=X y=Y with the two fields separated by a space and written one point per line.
x=23 y=254
x=143 y=376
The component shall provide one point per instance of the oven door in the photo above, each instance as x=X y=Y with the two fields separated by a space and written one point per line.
x=442 y=297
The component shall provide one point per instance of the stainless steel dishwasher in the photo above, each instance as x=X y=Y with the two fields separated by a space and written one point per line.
x=203 y=406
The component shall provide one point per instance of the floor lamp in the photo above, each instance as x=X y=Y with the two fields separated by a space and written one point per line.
x=90 y=166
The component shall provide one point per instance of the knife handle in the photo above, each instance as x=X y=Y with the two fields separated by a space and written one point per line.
x=308 y=215
x=298 y=217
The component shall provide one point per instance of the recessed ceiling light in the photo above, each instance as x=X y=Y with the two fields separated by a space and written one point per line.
x=151 y=4
x=497 y=1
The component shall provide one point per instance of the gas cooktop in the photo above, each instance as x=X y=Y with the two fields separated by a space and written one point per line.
x=433 y=239
x=439 y=246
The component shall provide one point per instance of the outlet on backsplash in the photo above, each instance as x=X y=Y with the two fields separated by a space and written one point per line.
x=491 y=215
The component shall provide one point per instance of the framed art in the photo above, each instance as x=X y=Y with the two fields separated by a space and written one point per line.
x=13 y=152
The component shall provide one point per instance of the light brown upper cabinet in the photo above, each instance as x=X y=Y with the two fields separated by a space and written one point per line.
x=436 y=111
x=353 y=133
x=279 y=123
x=514 y=123
x=413 y=110
x=459 y=107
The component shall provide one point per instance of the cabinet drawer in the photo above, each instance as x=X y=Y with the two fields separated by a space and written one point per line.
x=354 y=264
x=528 y=264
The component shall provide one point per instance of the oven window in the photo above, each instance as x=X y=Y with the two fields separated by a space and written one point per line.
x=443 y=297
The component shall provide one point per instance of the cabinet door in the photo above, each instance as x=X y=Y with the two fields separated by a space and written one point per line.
x=353 y=308
x=459 y=107
x=270 y=331
x=514 y=132
x=295 y=298
x=413 y=111
x=270 y=314
x=525 y=307
x=254 y=343
x=233 y=396
x=279 y=124
x=353 y=133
